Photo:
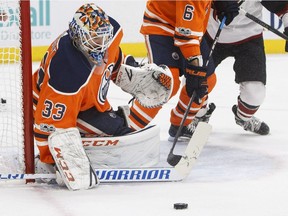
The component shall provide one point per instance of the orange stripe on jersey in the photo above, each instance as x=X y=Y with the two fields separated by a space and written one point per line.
x=84 y=129
x=176 y=80
x=134 y=124
x=45 y=155
x=141 y=116
x=89 y=129
x=39 y=139
x=177 y=113
x=211 y=81
x=186 y=21
x=43 y=129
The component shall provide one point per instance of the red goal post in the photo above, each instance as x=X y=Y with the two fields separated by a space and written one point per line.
x=16 y=111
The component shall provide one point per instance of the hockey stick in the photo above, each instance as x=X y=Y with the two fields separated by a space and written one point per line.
x=194 y=148
x=265 y=25
x=202 y=131
x=151 y=174
x=174 y=159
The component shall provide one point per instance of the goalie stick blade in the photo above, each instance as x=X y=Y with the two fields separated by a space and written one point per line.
x=117 y=175
x=194 y=148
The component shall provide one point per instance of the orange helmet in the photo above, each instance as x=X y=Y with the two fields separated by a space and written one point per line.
x=91 y=31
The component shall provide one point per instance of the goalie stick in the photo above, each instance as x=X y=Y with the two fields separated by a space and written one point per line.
x=150 y=174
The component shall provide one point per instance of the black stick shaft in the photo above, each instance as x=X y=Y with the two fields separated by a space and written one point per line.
x=265 y=25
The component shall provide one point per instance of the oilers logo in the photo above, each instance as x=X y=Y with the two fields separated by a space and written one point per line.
x=175 y=56
x=105 y=82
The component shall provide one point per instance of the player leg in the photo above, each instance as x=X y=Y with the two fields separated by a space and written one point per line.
x=220 y=53
x=198 y=112
x=109 y=142
x=252 y=81
x=93 y=122
x=204 y=114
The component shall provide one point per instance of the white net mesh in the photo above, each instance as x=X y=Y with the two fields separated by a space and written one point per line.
x=11 y=111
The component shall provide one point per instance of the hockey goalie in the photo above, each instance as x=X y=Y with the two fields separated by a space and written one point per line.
x=71 y=106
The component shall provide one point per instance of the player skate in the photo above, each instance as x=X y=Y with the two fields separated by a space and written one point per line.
x=187 y=131
x=202 y=117
x=254 y=125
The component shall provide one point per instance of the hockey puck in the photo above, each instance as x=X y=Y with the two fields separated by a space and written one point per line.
x=180 y=206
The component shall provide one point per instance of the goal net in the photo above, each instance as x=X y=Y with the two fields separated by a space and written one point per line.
x=16 y=122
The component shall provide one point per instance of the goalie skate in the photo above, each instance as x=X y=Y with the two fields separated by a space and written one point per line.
x=150 y=84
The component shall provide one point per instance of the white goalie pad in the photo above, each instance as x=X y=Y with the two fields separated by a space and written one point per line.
x=138 y=149
x=150 y=84
x=71 y=160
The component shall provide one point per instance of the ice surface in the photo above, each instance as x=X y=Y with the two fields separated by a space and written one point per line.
x=237 y=174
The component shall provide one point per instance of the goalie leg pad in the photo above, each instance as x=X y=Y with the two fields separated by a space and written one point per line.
x=71 y=160
x=150 y=84
x=138 y=149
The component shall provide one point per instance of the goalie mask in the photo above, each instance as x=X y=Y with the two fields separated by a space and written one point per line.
x=91 y=32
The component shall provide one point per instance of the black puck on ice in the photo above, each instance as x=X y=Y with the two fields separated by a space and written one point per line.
x=180 y=206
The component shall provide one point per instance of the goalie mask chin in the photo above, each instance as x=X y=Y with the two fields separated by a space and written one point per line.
x=91 y=32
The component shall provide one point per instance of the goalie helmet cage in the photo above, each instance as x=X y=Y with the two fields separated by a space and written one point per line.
x=16 y=107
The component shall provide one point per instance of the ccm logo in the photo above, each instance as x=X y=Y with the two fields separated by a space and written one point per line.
x=100 y=143
x=63 y=165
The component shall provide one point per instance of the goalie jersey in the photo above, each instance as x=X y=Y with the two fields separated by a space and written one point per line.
x=186 y=21
x=66 y=83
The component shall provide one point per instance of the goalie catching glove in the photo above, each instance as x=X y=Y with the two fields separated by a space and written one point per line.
x=196 y=78
x=150 y=84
